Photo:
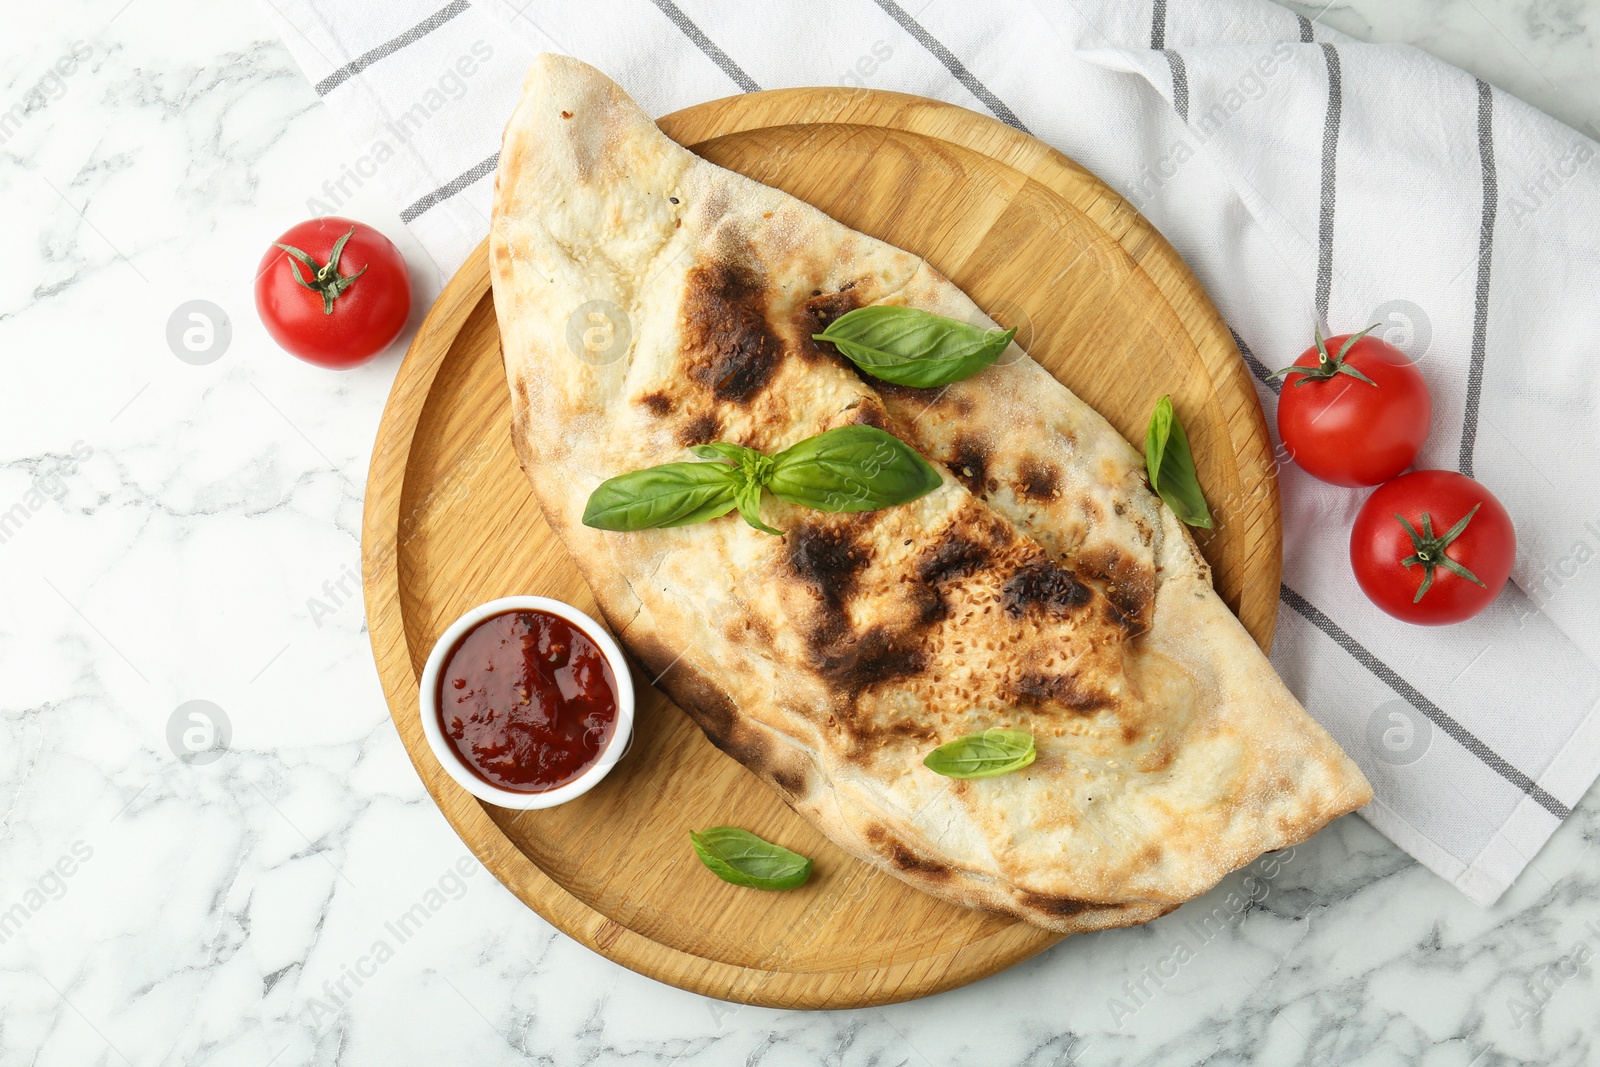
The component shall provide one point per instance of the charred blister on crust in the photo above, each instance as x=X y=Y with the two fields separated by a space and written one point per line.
x=822 y=309
x=969 y=462
x=1062 y=689
x=700 y=429
x=1063 y=906
x=962 y=551
x=706 y=703
x=853 y=663
x=828 y=557
x=728 y=345
x=930 y=605
x=1042 y=585
x=1128 y=582
x=1038 y=481
x=969 y=546
x=792 y=780
x=748 y=747
x=906 y=860
x=657 y=403
x=870 y=412
x=718 y=718
x=1128 y=624
x=901 y=857
x=954 y=555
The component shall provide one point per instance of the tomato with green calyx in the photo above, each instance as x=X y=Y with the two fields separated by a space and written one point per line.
x=1432 y=547
x=1354 y=410
x=333 y=292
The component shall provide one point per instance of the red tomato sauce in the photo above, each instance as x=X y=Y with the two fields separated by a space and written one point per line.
x=527 y=700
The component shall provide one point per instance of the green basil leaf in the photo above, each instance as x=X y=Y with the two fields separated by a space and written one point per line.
x=749 y=502
x=906 y=346
x=1171 y=466
x=754 y=470
x=984 y=755
x=735 y=454
x=851 y=468
x=673 y=494
x=740 y=857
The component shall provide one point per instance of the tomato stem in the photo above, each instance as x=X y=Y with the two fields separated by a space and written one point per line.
x=1428 y=551
x=1329 y=366
x=325 y=278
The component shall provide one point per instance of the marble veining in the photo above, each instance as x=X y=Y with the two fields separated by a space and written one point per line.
x=173 y=532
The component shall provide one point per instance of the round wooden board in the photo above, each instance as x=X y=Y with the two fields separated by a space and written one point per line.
x=1100 y=298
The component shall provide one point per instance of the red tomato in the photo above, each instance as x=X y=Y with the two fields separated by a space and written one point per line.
x=1359 y=412
x=1432 y=547
x=342 y=307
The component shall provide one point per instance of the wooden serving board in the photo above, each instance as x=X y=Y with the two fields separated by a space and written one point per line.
x=1100 y=298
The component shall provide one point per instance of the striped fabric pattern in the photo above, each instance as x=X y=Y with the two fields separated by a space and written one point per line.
x=1306 y=177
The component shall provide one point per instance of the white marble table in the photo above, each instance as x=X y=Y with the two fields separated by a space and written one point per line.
x=176 y=532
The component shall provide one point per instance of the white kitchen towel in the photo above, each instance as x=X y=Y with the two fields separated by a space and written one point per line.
x=1304 y=176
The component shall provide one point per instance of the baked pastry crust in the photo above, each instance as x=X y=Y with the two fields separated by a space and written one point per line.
x=1042 y=586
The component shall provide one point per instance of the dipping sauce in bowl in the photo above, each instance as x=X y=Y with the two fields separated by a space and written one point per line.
x=527 y=700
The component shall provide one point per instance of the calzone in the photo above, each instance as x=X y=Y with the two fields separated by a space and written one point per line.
x=1042 y=586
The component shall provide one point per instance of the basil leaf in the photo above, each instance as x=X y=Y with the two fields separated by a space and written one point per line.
x=1171 y=466
x=673 y=494
x=906 y=346
x=749 y=502
x=754 y=470
x=984 y=755
x=740 y=857
x=851 y=468
x=735 y=454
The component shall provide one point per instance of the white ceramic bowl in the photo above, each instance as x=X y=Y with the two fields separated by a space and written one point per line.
x=445 y=752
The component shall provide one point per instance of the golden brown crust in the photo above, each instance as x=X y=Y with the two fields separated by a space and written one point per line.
x=1042 y=586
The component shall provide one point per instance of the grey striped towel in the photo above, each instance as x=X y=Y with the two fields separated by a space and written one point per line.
x=1305 y=177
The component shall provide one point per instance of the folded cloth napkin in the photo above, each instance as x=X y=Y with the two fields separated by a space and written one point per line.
x=1304 y=176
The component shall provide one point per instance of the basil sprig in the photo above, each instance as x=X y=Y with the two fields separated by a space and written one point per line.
x=850 y=468
x=906 y=346
x=740 y=857
x=983 y=755
x=751 y=471
x=1171 y=466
